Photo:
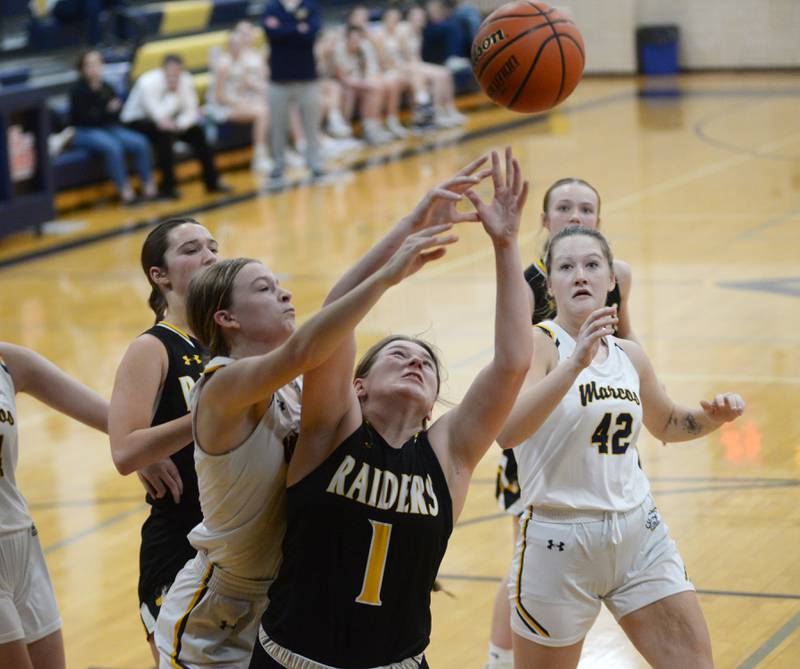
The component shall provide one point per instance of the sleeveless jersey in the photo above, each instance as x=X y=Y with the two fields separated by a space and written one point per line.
x=243 y=491
x=13 y=508
x=584 y=455
x=544 y=307
x=366 y=533
x=184 y=354
x=507 y=489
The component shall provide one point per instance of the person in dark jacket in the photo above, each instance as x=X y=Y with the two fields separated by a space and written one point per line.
x=94 y=111
x=291 y=27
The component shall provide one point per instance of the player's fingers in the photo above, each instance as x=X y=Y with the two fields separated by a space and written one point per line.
x=516 y=183
x=158 y=486
x=432 y=255
x=441 y=241
x=432 y=231
x=149 y=489
x=523 y=196
x=707 y=407
x=472 y=196
x=174 y=488
x=445 y=194
x=470 y=217
x=497 y=179
x=474 y=165
x=459 y=183
x=509 y=167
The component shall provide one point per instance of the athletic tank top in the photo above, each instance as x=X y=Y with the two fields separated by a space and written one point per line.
x=13 y=508
x=243 y=491
x=185 y=364
x=584 y=456
x=545 y=308
x=391 y=45
x=411 y=42
x=366 y=533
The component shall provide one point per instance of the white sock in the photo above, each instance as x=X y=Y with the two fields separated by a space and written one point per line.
x=500 y=658
x=423 y=98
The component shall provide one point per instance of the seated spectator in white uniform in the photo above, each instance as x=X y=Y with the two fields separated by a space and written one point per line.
x=239 y=90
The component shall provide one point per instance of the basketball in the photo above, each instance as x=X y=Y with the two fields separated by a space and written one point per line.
x=527 y=56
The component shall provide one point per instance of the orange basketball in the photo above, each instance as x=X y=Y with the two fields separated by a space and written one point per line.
x=527 y=56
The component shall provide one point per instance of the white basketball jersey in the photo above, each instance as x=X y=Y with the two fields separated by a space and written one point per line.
x=13 y=508
x=243 y=491
x=584 y=456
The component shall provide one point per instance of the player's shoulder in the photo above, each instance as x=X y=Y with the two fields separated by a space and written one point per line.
x=632 y=349
x=623 y=272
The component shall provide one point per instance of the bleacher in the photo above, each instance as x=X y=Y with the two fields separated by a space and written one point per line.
x=191 y=28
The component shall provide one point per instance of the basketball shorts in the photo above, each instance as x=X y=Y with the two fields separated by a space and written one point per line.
x=209 y=618
x=567 y=562
x=506 y=489
x=163 y=553
x=28 y=609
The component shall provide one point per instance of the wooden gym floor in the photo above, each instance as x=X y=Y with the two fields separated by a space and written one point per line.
x=701 y=194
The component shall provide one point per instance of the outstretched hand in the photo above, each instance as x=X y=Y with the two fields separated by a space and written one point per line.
x=597 y=325
x=724 y=408
x=501 y=217
x=440 y=203
x=417 y=250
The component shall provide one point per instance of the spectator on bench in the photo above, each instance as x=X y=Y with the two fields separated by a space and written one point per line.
x=238 y=92
x=163 y=106
x=94 y=111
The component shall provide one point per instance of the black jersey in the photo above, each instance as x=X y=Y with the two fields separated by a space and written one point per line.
x=165 y=548
x=544 y=308
x=366 y=533
x=185 y=366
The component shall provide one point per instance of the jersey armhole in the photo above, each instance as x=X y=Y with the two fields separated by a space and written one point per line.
x=549 y=332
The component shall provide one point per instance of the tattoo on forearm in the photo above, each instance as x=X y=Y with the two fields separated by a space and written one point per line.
x=688 y=424
x=691 y=425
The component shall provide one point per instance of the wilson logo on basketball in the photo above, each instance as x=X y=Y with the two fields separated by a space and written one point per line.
x=479 y=49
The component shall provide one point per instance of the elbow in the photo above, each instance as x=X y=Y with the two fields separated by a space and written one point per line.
x=122 y=461
x=514 y=367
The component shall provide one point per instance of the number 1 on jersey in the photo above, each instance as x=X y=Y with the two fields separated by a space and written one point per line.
x=376 y=563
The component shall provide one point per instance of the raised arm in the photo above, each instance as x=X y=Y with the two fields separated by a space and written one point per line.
x=134 y=443
x=35 y=375
x=549 y=380
x=331 y=409
x=437 y=207
x=251 y=380
x=463 y=435
x=622 y=270
x=670 y=422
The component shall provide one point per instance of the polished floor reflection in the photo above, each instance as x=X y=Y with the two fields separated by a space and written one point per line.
x=700 y=179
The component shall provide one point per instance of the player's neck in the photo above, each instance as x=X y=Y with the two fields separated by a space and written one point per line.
x=395 y=426
x=571 y=324
x=177 y=317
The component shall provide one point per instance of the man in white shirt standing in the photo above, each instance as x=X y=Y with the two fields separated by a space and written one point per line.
x=163 y=106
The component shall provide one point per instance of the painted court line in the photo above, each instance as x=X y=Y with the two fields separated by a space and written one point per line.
x=772 y=643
